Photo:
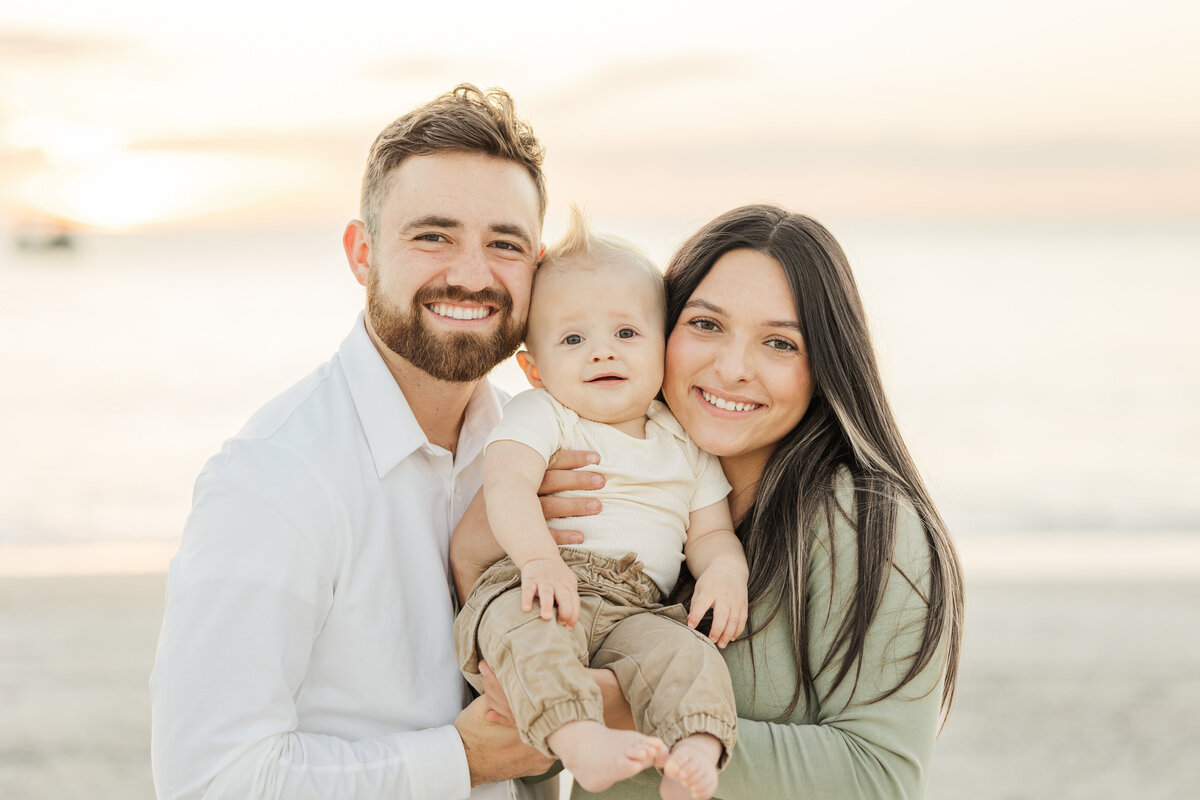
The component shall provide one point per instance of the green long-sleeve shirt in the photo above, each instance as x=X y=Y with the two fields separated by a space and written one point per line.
x=836 y=748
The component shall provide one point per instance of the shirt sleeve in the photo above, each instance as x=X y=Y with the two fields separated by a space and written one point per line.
x=857 y=748
x=246 y=598
x=711 y=485
x=535 y=419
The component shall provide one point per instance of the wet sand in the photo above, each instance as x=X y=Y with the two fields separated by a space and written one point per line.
x=1068 y=690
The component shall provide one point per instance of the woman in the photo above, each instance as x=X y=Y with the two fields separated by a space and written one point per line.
x=855 y=587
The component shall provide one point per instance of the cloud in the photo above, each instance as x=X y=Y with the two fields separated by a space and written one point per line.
x=42 y=47
x=617 y=80
x=414 y=68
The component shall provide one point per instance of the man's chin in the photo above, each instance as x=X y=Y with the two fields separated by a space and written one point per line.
x=456 y=357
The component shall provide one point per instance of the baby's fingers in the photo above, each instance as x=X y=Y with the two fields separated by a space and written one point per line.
x=546 y=596
x=733 y=629
x=701 y=603
x=528 y=590
x=738 y=621
x=568 y=608
x=720 y=619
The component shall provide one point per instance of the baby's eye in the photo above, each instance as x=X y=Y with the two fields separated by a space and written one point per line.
x=626 y=333
x=572 y=339
x=783 y=345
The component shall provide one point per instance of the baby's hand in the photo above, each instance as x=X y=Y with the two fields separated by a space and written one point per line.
x=553 y=582
x=724 y=591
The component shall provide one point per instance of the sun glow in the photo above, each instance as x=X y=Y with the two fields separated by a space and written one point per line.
x=123 y=189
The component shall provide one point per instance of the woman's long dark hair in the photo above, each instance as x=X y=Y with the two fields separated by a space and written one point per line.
x=848 y=428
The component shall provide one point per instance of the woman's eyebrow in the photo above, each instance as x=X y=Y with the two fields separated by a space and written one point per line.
x=704 y=304
x=790 y=324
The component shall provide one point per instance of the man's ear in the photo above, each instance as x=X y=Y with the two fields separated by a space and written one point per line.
x=357 y=245
x=531 y=370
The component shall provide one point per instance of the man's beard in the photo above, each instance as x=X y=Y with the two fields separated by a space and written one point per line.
x=455 y=357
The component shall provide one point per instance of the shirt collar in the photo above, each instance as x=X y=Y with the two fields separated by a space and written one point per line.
x=662 y=415
x=392 y=431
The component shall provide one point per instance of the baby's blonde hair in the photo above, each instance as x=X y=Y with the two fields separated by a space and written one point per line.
x=579 y=246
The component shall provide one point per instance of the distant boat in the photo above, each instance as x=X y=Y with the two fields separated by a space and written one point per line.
x=44 y=235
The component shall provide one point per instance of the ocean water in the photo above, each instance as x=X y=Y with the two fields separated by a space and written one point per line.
x=1046 y=379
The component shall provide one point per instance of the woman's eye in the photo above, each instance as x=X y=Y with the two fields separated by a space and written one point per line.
x=573 y=338
x=703 y=324
x=782 y=345
x=626 y=333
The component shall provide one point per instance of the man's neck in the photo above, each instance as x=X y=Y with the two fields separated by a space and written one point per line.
x=439 y=406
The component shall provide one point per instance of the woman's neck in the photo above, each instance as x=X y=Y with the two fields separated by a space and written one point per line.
x=743 y=473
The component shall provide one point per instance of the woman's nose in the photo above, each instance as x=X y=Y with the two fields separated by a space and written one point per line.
x=732 y=363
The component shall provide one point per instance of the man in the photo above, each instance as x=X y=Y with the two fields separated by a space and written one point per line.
x=307 y=646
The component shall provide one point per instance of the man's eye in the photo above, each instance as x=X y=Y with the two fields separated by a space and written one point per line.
x=431 y=237
x=573 y=338
x=508 y=246
x=626 y=333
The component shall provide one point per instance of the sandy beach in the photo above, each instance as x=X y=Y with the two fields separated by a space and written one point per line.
x=1079 y=689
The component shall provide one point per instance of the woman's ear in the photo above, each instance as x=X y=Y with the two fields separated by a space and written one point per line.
x=531 y=370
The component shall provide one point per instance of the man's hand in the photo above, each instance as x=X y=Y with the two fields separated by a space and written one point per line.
x=563 y=474
x=724 y=591
x=553 y=583
x=617 y=713
x=494 y=750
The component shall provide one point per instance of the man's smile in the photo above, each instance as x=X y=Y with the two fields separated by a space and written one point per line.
x=458 y=311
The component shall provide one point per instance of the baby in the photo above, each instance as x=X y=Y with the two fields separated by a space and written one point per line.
x=595 y=353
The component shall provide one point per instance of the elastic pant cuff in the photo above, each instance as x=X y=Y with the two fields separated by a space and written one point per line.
x=723 y=730
x=557 y=715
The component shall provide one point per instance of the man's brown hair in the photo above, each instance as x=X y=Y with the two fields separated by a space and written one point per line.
x=464 y=120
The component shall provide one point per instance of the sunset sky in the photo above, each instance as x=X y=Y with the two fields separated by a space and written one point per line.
x=127 y=114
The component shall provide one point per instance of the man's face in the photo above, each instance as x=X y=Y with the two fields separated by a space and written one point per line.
x=451 y=264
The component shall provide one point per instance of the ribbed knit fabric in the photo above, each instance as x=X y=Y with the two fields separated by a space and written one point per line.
x=652 y=484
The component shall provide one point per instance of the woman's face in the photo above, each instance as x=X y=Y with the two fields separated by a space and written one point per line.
x=737 y=374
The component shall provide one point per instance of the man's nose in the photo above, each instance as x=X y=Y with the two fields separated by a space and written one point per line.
x=470 y=271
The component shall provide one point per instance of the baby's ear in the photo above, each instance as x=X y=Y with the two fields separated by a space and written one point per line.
x=531 y=370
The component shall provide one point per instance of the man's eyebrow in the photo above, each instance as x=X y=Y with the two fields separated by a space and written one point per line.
x=515 y=231
x=433 y=221
x=770 y=323
x=439 y=221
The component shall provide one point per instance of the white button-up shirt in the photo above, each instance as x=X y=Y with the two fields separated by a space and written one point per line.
x=307 y=647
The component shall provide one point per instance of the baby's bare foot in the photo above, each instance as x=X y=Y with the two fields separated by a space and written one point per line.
x=598 y=756
x=691 y=769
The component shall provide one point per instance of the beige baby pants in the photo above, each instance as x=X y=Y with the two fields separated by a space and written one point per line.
x=674 y=677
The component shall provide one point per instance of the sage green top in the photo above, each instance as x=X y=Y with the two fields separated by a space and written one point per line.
x=842 y=747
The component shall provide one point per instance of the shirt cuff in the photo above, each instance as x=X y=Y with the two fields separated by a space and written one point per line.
x=438 y=765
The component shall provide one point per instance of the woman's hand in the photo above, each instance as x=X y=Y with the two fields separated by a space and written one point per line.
x=473 y=548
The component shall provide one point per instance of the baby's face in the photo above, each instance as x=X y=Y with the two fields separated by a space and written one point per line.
x=597 y=340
